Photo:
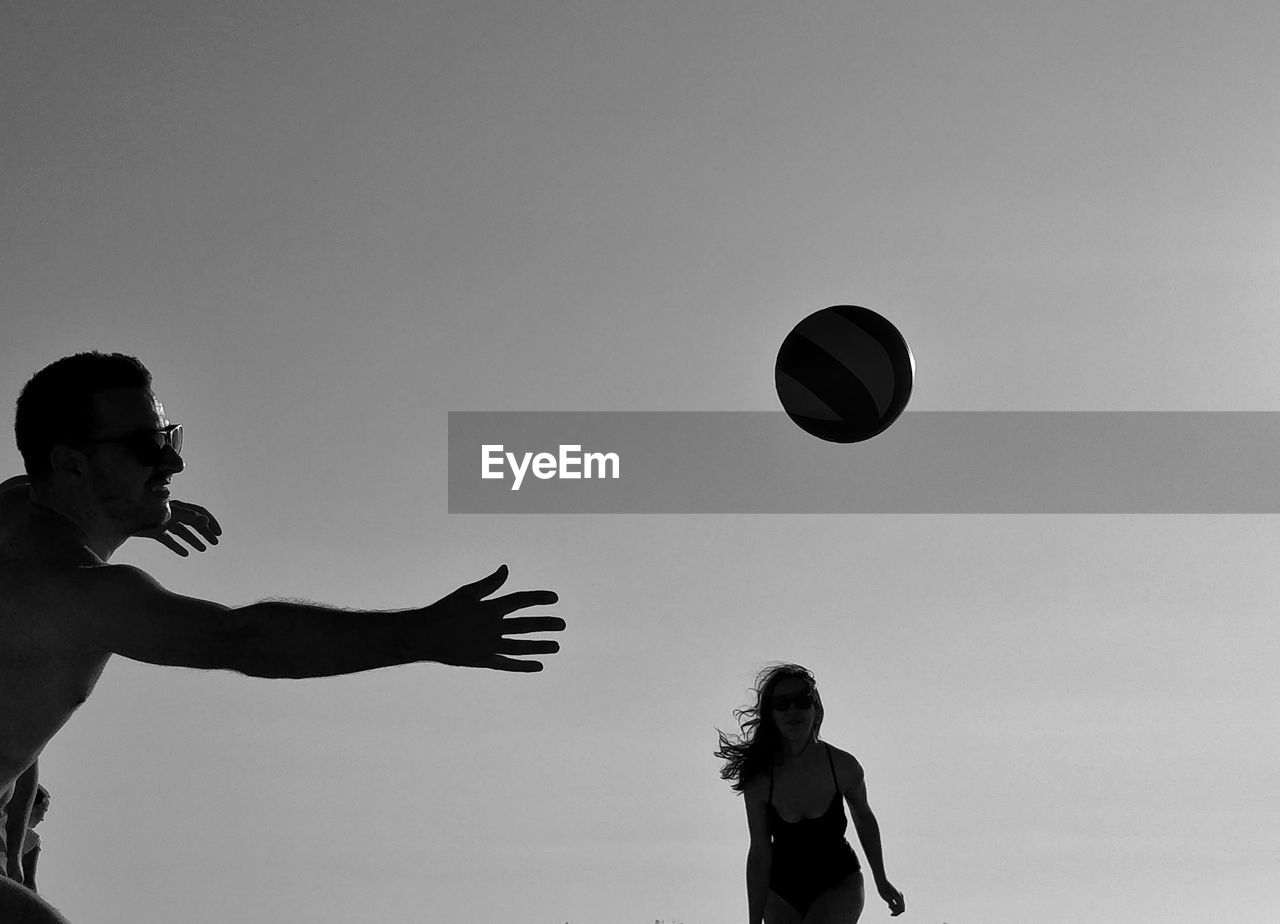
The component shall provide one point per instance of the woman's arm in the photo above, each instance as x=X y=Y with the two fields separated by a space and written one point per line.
x=29 y=860
x=864 y=822
x=17 y=814
x=187 y=521
x=759 y=854
x=14 y=493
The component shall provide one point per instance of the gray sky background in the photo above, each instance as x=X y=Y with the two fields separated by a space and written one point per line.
x=325 y=225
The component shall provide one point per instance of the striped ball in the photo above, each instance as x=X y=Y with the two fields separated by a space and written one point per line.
x=844 y=374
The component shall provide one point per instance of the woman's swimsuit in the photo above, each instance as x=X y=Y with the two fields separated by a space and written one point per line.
x=811 y=855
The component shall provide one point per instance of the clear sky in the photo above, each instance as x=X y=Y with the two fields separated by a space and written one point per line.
x=324 y=225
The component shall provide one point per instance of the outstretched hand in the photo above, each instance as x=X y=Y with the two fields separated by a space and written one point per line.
x=893 y=898
x=185 y=520
x=467 y=630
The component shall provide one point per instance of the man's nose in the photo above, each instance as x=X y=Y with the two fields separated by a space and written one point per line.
x=171 y=461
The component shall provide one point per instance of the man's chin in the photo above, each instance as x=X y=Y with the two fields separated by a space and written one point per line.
x=154 y=517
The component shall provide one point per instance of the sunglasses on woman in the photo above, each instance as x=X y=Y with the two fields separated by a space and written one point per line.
x=147 y=446
x=801 y=701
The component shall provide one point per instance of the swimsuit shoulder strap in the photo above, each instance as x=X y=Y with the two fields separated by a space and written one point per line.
x=835 y=779
x=769 y=801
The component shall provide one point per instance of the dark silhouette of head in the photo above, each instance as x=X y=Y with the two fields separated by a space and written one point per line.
x=760 y=741
x=56 y=406
x=98 y=447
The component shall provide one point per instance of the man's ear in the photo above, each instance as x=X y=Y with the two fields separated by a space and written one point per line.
x=69 y=464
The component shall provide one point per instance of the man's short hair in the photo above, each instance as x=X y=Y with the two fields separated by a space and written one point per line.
x=56 y=406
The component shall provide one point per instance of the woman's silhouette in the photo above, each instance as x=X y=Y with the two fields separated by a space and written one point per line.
x=800 y=868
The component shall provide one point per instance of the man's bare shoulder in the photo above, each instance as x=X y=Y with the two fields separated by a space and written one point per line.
x=50 y=581
x=46 y=590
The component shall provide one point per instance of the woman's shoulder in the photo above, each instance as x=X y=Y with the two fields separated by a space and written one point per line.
x=846 y=764
x=757 y=788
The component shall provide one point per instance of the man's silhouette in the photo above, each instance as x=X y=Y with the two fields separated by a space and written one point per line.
x=101 y=456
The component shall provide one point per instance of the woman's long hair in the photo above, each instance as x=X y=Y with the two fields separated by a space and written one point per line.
x=750 y=753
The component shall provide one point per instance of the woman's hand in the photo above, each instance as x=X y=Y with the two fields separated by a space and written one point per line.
x=185 y=521
x=892 y=897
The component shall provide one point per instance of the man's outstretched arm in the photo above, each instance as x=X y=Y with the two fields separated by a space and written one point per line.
x=124 y=610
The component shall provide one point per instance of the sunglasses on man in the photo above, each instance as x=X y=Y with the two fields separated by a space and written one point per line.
x=147 y=446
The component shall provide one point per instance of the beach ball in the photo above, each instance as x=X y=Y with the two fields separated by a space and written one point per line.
x=844 y=374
